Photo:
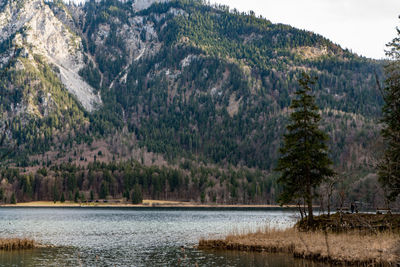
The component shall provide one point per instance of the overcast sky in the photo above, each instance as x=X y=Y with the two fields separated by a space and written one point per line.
x=364 y=26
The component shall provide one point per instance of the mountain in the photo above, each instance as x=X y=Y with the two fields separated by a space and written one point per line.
x=191 y=100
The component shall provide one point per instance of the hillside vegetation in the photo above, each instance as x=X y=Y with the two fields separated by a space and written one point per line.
x=202 y=89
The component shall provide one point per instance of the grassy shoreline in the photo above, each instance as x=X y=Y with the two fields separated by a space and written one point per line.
x=146 y=203
x=355 y=247
x=10 y=244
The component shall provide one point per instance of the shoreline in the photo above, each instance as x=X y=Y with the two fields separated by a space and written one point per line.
x=292 y=250
x=12 y=244
x=145 y=204
x=366 y=247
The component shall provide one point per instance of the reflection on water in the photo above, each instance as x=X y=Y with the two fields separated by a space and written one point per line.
x=40 y=257
x=233 y=258
x=72 y=257
x=135 y=237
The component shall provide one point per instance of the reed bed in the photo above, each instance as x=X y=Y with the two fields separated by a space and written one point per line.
x=351 y=248
x=16 y=243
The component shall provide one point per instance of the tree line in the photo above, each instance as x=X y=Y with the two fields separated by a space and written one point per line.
x=122 y=180
x=304 y=163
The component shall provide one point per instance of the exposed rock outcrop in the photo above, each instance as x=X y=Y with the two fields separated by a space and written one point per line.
x=34 y=27
x=144 y=4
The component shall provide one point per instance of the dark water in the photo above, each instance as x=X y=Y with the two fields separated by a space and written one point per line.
x=136 y=237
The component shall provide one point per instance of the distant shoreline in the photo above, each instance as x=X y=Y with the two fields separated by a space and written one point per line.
x=145 y=204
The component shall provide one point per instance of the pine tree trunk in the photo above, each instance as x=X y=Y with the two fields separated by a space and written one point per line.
x=309 y=204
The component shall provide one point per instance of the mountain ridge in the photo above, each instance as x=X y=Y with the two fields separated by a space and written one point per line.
x=181 y=80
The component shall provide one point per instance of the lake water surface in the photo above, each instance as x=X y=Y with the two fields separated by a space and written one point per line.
x=136 y=237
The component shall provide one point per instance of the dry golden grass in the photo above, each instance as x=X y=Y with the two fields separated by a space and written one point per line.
x=352 y=247
x=146 y=203
x=16 y=243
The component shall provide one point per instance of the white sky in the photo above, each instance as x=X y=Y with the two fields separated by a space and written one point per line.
x=363 y=26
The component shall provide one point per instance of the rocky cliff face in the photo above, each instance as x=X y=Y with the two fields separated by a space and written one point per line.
x=144 y=4
x=31 y=26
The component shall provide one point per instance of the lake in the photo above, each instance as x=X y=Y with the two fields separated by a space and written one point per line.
x=137 y=237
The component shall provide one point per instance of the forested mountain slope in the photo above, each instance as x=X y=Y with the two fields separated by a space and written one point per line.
x=182 y=81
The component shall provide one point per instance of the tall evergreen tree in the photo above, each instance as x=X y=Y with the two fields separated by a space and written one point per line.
x=389 y=166
x=304 y=161
x=13 y=199
x=137 y=197
x=55 y=192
